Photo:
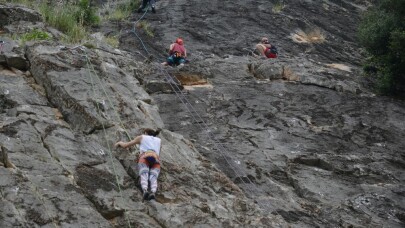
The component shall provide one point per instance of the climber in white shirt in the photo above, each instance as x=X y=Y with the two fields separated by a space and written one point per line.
x=148 y=162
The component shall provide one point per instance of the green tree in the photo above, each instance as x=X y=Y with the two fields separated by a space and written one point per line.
x=382 y=33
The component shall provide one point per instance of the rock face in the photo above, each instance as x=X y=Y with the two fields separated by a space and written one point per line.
x=296 y=141
x=319 y=147
x=58 y=167
x=319 y=157
x=15 y=20
x=12 y=13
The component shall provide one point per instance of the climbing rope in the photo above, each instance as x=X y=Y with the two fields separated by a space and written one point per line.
x=204 y=126
x=136 y=22
x=104 y=130
x=195 y=115
x=193 y=112
x=91 y=67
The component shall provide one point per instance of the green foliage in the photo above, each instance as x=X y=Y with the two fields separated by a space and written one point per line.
x=382 y=33
x=23 y=2
x=118 y=14
x=122 y=10
x=89 y=45
x=85 y=14
x=112 y=41
x=146 y=27
x=278 y=6
x=71 y=19
x=134 y=5
x=35 y=34
x=64 y=19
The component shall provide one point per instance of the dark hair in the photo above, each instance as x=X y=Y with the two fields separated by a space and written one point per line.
x=152 y=132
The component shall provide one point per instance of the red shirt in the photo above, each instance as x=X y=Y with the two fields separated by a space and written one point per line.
x=269 y=54
x=178 y=48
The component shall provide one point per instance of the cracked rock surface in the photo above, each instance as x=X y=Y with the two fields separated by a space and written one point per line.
x=298 y=141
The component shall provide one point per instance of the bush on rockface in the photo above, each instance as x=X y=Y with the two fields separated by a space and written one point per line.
x=35 y=34
x=382 y=33
x=71 y=18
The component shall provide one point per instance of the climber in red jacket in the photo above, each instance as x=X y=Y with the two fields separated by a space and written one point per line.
x=177 y=53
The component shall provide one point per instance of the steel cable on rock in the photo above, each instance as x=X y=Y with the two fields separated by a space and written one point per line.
x=133 y=30
x=242 y=175
x=190 y=108
x=204 y=126
x=105 y=135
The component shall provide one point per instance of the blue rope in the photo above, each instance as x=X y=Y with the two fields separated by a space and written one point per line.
x=133 y=30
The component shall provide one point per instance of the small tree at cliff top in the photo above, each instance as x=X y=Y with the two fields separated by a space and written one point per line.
x=382 y=33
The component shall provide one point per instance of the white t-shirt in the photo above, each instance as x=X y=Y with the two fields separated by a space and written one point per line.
x=150 y=143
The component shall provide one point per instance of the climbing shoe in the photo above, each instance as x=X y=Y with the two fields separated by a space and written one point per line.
x=140 y=10
x=146 y=195
x=152 y=196
x=153 y=9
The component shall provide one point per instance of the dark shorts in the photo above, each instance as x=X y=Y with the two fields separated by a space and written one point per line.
x=151 y=159
x=271 y=56
x=175 y=60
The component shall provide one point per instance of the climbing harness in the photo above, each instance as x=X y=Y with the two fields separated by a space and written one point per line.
x=150 y=156
x=177 y=54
